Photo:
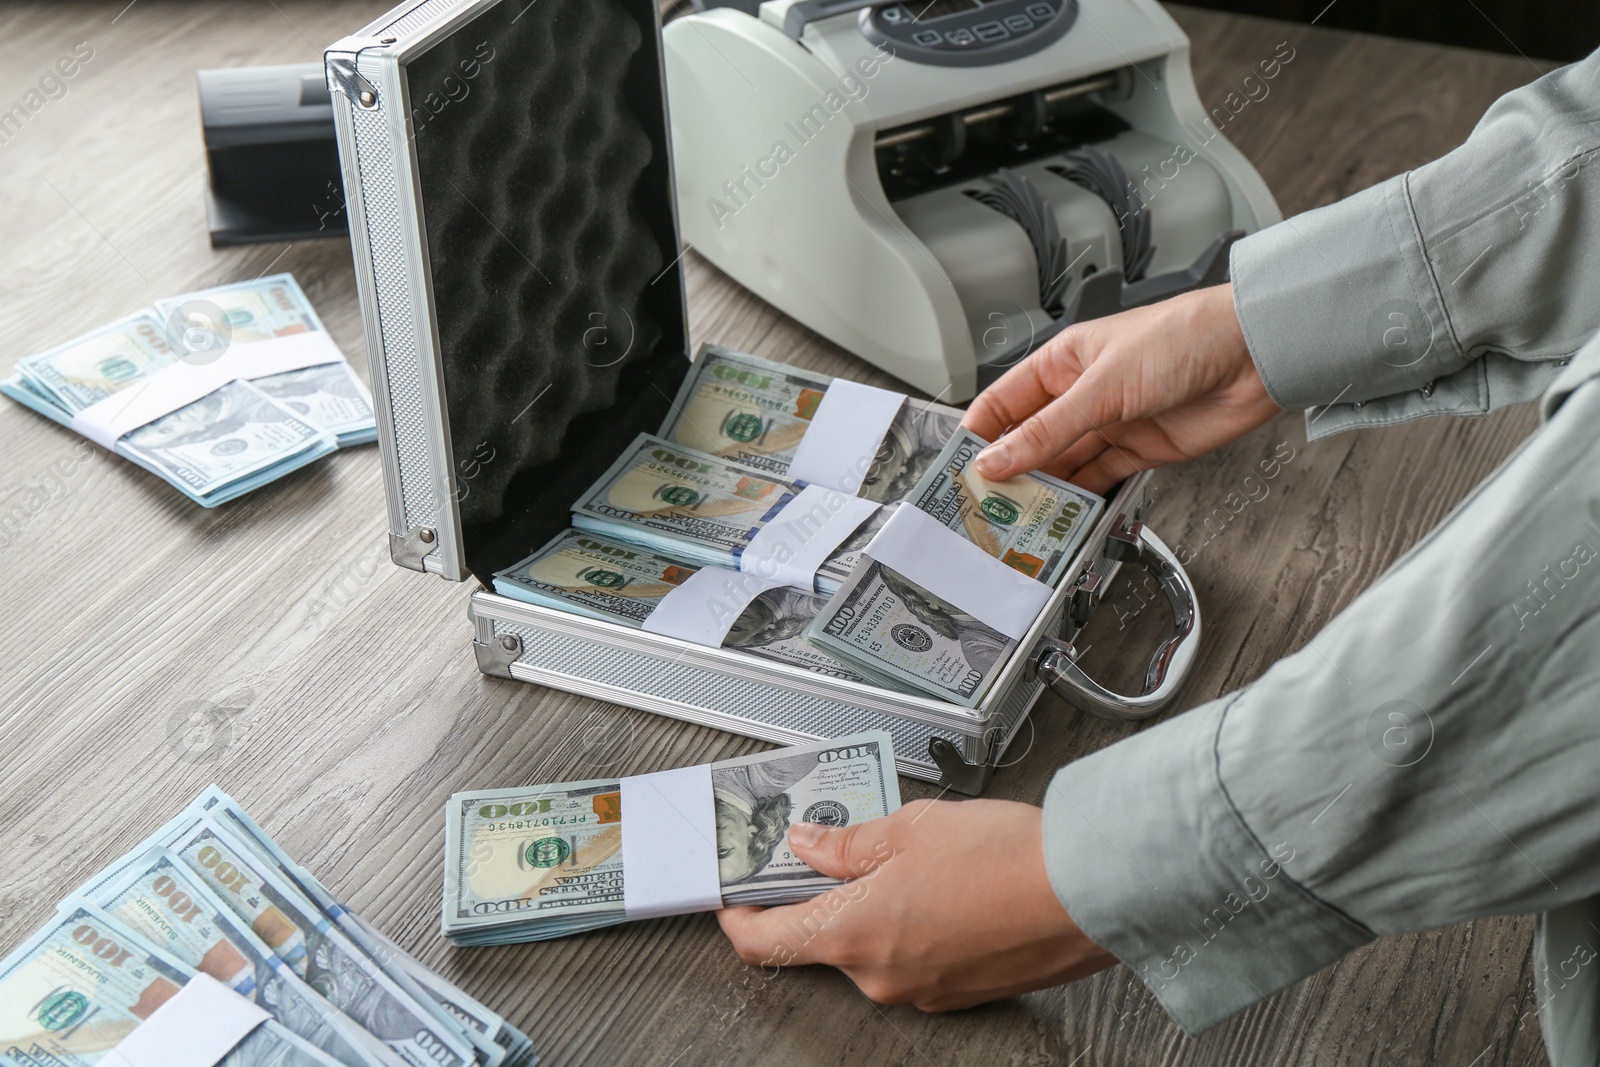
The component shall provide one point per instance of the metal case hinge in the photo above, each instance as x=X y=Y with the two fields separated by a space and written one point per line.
x=496 y=655
x=409 y=551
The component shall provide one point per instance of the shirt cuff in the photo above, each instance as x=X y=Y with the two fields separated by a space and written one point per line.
x=1339 y=305
x=1150 y=858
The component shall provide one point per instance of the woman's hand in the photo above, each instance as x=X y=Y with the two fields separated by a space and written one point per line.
x=949 y=906
x=1109 y=397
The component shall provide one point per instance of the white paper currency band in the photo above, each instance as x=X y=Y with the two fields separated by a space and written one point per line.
x=669 y=844
x=197 y=1027
x=704 y=608
x=182 y=383
x=845 y=435
x=800 y=538
x=929 y=554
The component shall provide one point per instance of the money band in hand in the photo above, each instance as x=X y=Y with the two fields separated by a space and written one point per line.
x=669 y=844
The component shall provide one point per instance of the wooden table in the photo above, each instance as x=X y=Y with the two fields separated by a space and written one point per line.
x=151 y=647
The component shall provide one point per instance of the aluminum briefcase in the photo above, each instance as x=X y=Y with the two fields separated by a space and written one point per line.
x=508 y=180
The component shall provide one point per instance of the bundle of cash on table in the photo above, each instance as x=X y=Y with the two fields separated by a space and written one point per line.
x=239 y=437
x=697 y=494
x=543 y=861
x=211 y=894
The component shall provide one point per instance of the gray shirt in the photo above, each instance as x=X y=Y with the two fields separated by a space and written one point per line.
x=1433 y=755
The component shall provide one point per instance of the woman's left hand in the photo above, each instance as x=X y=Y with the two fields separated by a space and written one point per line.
x=948 y=906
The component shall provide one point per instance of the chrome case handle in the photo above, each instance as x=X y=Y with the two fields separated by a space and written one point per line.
x=1055 y=660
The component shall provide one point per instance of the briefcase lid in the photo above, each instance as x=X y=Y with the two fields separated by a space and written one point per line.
x=509 y=182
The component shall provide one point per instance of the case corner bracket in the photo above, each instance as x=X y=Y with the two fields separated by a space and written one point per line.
x=409 y=550
x=954 y=770
x=496 y=655
x=344 y=78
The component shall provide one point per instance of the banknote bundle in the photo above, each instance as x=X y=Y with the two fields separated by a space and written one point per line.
x=603 y=578
x=543 y=861
x=753 y=411
x=235 y=438
x=903 y=636
x=700 y=508
x=211 y=895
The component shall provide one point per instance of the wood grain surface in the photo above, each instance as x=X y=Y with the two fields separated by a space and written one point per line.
x=151 y=647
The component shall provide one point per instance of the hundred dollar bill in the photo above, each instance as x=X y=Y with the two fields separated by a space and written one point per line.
x=754 y=411
x=164 y=902
x=213 y=450
x=328 y=396
x=485 y=1027
x=238 y=313
x=537 y=862
x=692 y=506
x=271 y=899
x=603 y=578
x=81 y=985
x=239 y=437
x=495 y=1041
x=220 y=439
x=906 y=637
x=1033 y=523
x=903 y=637
x=310 y=945
x=86 y=370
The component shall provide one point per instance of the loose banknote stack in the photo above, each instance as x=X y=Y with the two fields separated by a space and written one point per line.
x=543 y=861
x=242 y=435
x=211 y=895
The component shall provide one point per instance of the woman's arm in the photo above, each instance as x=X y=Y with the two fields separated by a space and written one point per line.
x=1452 y=289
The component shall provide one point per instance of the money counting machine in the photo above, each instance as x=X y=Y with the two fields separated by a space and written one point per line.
x=936 y=186
x=511 y=206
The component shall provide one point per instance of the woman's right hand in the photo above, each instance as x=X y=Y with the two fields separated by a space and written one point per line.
x=1110 y=397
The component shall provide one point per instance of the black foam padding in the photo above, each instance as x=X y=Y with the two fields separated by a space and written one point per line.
x=552 y=245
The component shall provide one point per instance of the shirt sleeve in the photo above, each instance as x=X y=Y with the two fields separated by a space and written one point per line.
x=1445 y=290
x=1427 y=758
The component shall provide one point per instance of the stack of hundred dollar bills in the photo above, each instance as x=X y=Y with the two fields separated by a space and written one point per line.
x=241 y=436
x=903 y=636
x=210 y=893
x=602 y=577
x=543 y=861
